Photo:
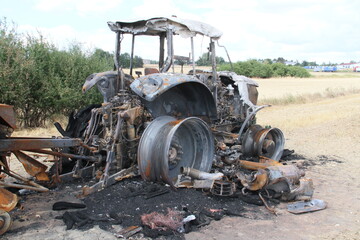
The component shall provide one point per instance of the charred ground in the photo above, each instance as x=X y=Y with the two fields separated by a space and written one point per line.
x=123 y=204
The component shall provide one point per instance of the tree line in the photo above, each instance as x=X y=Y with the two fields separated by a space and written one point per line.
x=261 y=68
x=255 y=68
x=40 y=80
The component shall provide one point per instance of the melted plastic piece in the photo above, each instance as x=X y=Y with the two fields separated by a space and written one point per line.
x=308 y=206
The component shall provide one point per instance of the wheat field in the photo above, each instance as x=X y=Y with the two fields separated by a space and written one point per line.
x=283 y=87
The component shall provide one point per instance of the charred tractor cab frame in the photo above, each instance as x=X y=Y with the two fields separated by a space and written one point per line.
x=163 y=122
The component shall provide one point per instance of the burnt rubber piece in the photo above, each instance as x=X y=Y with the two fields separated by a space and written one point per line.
x=58 y=206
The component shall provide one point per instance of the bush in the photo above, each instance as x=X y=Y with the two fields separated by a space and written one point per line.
x=253 y=68
x=262 y=71
x=279 y=70
x=295 y=71
x=39 y=80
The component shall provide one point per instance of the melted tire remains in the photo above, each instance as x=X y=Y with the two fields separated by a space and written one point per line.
x=168 y=144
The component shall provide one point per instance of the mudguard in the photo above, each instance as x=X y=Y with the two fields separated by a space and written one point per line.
x=177 y=95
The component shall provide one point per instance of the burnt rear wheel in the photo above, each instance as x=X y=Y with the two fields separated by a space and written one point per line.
x=168 y=144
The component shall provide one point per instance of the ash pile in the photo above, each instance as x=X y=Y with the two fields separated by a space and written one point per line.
x=136 y=208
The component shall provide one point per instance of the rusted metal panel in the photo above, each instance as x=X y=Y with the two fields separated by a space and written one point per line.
x=258 y=165
x=7 y=115
x=32 y=167
x=14 y=144
x=255 y=181
x=8 y=200
x=148 y=71
x=31 y=185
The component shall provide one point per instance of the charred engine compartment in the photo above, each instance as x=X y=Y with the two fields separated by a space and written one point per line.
x=164 y=122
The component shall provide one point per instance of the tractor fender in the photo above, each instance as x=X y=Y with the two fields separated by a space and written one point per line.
x=177 y=95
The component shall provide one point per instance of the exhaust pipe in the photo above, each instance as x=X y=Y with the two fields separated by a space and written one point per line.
x=194 y=173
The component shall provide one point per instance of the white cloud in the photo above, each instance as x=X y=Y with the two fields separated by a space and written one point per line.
x=44 y=5
x=62 y=36
x=324 y=30
x=163 y=8
x=81 y=7
x=259 y=29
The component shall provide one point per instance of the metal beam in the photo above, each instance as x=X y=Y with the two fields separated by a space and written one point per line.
x=14 y=144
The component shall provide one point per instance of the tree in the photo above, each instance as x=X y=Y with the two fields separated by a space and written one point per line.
x=280 y=60
x=267 y=61
x=205 y=60
x=138 y=62
x=125 y=61
x=304 y=63
x=105 y=56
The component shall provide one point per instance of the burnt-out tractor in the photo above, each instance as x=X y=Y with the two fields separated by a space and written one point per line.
x=163 y=121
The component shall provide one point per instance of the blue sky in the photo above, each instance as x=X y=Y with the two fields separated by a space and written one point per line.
x=321 y=31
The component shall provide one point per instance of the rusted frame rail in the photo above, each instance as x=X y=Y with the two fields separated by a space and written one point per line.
x=25 y=144
x=17 y=145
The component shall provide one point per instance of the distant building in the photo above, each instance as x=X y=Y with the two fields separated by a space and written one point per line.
x=290 y=63
x=146 y=61
x=348 y=65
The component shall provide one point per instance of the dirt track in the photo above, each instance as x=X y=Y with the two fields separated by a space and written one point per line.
x=328 y=128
